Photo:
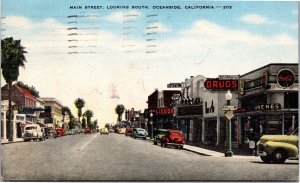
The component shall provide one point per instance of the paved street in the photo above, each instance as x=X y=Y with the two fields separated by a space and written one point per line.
x=116 y=157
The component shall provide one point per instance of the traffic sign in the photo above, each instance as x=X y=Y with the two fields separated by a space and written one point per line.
x=229 y=108
x=229 y=115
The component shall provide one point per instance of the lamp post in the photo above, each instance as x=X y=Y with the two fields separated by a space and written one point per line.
x=151 y=123
x=228 y=114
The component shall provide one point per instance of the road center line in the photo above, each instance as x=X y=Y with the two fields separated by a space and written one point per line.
x=88 y=142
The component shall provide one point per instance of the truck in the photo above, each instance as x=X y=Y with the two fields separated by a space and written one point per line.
x=33 y=132
x=278 y=148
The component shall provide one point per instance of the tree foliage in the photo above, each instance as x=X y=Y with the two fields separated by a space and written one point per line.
x=72 y=123
x=88 y=114
x=12 y=57
x=83 y=124
x=31 y=89
x=79 y=104
x=107 y=125
x=65 y=110
x=119 y=110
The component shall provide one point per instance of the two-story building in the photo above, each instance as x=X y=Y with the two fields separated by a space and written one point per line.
x=269 y=100
x=52 y=115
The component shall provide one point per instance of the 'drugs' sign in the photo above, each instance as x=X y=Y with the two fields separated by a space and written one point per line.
x=216 y=84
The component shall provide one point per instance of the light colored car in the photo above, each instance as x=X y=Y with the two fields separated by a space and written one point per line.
x=122 y=130
x=104 y=131
x=33 y=132
x=278 y=148
x=139 y=133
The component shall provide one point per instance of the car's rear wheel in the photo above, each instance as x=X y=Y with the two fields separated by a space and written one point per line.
x=279 y=156
x=266 y=159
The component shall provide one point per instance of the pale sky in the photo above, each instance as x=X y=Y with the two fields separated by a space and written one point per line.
x=119 y=56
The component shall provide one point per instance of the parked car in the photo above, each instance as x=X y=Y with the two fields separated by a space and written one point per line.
x=50 y=133
x=104 y=131
x=111 y=130
x=87 y=130
x=278 y=148
x=128 y=131
x=60 y=132
x=121 y=130
x=33 y=132
x=139 y=133
x=158 y=134
x=173 y=138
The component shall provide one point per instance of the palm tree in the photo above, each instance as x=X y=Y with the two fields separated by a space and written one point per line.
x=88 y=114
x=12 y=57
x=120 y=110
x=79 y=104
x=65 y=110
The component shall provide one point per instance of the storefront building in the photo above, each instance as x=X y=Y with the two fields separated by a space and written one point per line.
x=268 y=101
x=52 y=115
x=199 y=113
x=160 y=111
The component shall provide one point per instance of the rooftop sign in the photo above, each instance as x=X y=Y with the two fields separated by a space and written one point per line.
x=174 y=85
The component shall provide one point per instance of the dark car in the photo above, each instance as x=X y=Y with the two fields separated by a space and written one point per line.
x=139 y=133
x=128 y=131
x=87 y=130
x=158 y=134
x=173 y=138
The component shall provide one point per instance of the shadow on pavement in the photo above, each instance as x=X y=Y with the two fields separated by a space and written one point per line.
x=286 y=163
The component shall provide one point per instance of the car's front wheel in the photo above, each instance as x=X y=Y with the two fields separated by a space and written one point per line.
x=266 y=159
x=279 y=156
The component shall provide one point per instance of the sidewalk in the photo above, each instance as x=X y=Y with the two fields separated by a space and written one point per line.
x=207 y=152
x=5 y=141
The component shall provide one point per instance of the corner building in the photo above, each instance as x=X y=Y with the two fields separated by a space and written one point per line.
x=268 y=101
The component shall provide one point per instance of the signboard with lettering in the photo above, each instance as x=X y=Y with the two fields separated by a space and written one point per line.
x=216 y=84
x=267 y=107
x=174 y=85
x=228 y=77
x=285 y=78
x=164 y=111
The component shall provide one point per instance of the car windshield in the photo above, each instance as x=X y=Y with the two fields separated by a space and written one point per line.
x=174 y=133
x=140 y=130
x=30 y=128
x=163 y=132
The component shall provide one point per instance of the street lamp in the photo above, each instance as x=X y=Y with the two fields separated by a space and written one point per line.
x=151 y=123
x=229 y=114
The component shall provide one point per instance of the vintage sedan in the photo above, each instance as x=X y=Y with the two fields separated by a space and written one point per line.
x=158 y=134
x=173 y=138
x=128 y=131
x=87 y=130
x=139 y=133
x=104 y=131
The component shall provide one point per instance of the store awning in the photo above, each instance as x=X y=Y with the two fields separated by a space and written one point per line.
x=266 y=112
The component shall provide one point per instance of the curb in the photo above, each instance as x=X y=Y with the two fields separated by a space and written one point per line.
x=203 y=154
x=4 y=143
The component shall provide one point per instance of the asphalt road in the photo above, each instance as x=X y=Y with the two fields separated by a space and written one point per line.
x=116 y=157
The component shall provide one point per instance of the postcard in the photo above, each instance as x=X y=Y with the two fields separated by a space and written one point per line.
x=138 y=90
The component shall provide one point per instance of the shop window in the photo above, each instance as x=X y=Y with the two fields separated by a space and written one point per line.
x=291 y=100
